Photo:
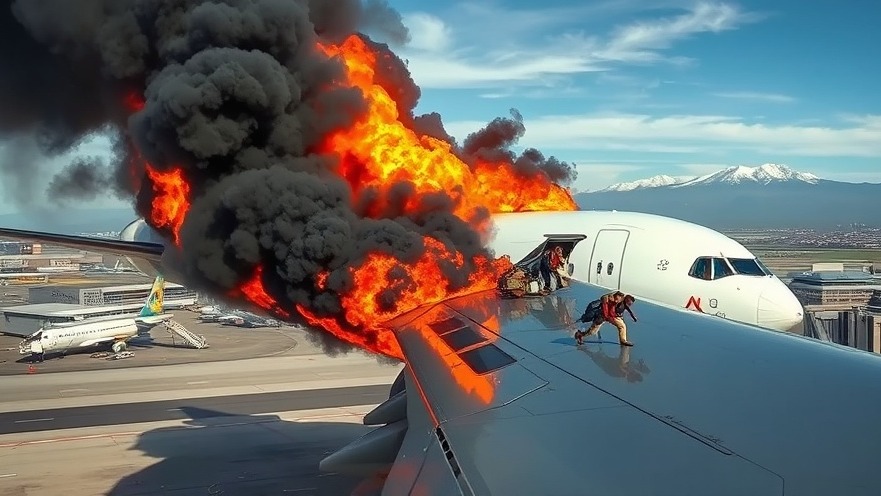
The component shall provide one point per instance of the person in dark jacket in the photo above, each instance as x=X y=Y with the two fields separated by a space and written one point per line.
x=609 y=308
x=549 y=266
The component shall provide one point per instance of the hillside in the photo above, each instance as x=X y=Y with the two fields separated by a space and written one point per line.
x=769 y=196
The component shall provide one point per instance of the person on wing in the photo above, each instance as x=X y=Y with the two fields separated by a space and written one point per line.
x=595 y=311
x=609 y=308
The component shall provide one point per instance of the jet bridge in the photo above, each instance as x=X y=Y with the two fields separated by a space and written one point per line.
x=177 y=329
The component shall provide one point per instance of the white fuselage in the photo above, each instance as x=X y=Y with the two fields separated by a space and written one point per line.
x=659 y=259
x=64 y=337
x=650 y=256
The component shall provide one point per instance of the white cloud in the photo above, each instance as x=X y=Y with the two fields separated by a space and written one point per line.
x=643 y=41
x=509 y=46
x=427 y=32
x=706 y=134
x=751 y=95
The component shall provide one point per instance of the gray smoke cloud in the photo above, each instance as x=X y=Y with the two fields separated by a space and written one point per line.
x=235 y=95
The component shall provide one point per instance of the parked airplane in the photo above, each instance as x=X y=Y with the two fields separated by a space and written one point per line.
x=114 y=330
x=656 y=258
x=496 y=398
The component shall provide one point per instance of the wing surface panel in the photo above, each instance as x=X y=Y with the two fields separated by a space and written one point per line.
x=457 y=385
x=608 y=451
x=731 y=401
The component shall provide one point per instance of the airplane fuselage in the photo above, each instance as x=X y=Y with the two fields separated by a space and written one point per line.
x=63 y=338
x=657 y=258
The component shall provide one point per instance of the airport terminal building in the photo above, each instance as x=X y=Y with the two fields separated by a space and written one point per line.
x=176 y=296
x=834 y=289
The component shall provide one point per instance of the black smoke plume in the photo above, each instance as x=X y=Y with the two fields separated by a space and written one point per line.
x=235 y=94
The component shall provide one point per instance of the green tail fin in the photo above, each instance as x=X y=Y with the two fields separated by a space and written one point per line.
x=155 y=301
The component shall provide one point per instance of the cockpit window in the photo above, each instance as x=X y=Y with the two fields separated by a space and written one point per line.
x=721 y=268
x=748 y=266
x=701 y=269
x=710 y=268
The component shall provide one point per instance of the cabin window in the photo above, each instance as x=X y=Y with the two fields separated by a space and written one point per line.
x=747 y=266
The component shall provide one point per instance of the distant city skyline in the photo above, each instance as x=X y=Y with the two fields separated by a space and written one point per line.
x=627 y=91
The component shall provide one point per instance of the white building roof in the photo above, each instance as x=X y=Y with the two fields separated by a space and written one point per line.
x=111 y=289
x=67 y=309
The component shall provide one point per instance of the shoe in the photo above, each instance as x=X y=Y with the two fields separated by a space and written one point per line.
x=626 y=343
x=579 y=337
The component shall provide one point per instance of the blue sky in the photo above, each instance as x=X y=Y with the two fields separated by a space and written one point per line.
x=627 y=91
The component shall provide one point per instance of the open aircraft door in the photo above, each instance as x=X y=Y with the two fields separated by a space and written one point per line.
x=607 y=258
x=524 y=279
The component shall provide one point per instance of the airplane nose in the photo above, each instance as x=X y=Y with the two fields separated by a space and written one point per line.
x=778 y=308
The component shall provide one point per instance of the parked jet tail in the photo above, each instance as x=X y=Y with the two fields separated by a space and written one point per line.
x=155 y=305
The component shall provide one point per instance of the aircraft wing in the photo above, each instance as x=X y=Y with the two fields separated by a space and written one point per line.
x=135 y=249
x=146 y=257
x=497 y=399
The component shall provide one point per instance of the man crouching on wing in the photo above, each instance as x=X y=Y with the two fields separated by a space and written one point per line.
x=608 y=308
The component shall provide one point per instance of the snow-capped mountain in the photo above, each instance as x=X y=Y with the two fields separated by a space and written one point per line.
x=738 y=174
x=652 y=182
x=763 y=174
x=767 y=196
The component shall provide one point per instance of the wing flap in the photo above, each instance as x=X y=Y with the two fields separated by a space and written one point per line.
x=459 y=366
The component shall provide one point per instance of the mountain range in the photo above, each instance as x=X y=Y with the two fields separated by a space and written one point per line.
x=770 y=196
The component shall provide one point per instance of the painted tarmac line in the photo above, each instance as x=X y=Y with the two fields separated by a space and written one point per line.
x=34 y=420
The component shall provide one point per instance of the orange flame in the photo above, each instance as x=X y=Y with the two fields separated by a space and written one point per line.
x=427 y=284
x=171 y=203
x=255 y=293
x=379 y=151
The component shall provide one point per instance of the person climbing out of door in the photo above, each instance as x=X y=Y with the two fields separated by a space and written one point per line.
x=560 y=270
x=551 y=261
x=609 y=308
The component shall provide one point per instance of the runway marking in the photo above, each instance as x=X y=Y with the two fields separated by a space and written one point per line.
x=173 y=410
x=197 y=382
x=7 y=475
x=75 y=390
x=34 y=420
x=72 y=438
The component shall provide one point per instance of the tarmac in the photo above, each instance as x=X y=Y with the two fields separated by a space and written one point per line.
x=246 y=427
x=252 y=415
x=163 y=348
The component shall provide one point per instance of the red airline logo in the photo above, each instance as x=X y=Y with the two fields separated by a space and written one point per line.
x=694 y=304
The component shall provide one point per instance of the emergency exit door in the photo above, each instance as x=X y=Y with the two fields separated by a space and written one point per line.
x=608 y=253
